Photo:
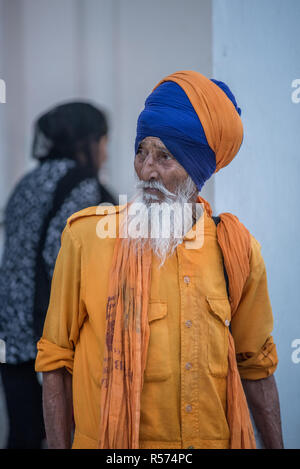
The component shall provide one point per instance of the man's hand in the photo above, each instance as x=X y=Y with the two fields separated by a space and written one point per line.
x=262 y=397
x=57 y=407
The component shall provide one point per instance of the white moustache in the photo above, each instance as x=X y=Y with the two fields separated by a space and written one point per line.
x=155 y=185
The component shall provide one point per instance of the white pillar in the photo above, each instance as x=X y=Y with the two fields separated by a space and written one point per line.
x=257 y=50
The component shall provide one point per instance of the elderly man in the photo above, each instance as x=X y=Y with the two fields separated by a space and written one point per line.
x=165 y=340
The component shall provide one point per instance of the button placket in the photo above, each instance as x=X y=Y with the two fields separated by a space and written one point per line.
x=187 y=369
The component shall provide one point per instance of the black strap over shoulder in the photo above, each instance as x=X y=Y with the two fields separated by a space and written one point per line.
x=42 y=281
x=67 y=183
x=217 y=220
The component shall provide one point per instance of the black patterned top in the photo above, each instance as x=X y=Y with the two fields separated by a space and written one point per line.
x=30 y=204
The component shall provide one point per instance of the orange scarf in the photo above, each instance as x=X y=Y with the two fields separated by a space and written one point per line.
x=127 y=338
x=234 y=241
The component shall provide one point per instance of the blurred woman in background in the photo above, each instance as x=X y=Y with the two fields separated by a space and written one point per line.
x=70 y=144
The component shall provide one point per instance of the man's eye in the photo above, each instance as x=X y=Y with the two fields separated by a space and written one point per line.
x=166 y=156
x=140 y=153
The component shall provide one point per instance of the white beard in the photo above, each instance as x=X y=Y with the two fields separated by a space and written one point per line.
x=160 y=225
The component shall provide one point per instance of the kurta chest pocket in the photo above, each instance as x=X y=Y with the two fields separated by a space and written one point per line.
x=219 y=315
x=158 y=366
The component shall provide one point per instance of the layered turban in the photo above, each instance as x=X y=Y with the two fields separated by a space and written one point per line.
x=197 y=119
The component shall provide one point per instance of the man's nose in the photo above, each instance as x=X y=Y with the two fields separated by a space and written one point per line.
x=149 y=168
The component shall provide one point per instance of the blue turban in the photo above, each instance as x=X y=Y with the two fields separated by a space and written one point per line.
x=170 y=116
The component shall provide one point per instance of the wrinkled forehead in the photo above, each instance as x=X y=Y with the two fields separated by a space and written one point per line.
x=153 y=143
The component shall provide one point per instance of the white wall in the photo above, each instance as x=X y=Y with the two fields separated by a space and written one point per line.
x=126 y=47
x=256 y=50
x=3 y=413
x=111 y=52
x=154 y=39
x=12 y=71
x=50 y=61
x=2 y=130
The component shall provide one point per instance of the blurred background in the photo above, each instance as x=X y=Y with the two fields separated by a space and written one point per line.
x=112 y=53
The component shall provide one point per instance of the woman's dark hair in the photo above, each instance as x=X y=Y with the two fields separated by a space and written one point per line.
x=67 y=131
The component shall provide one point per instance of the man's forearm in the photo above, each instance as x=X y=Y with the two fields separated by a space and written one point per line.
x=263 y=400
x=57 y=407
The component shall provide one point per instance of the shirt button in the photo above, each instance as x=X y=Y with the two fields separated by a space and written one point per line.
x=188 y=408
x=186 y=279
x=188 y=323
x=188 y=366
x=227 y=322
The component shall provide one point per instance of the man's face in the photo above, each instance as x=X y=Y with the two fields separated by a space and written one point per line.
x=153 y=162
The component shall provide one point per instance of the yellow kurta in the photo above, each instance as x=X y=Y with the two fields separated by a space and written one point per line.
x=184 y=394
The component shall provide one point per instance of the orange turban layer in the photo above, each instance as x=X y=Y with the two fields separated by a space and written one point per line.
x=220 y=120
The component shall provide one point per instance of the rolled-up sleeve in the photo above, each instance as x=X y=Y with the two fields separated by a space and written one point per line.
x=252 y=323
x=66 y=311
